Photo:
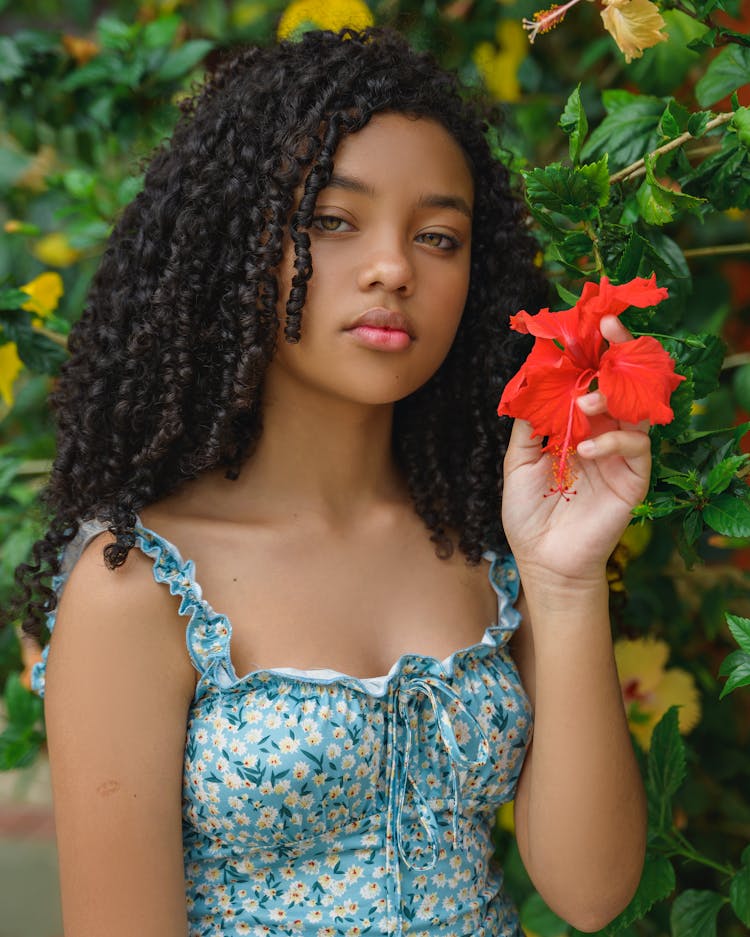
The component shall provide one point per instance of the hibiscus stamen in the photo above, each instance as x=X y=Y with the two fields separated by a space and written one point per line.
x=562 y=473
x=544 y=20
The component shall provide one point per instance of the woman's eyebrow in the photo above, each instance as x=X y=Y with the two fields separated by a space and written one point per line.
x=352 y=184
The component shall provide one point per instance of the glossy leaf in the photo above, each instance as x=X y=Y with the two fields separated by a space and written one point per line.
x=739 y=889
x=736 y=667
x=577 y=192
x=729 y=515
x=629 y=130
x=657 y=883
x=666 y=769
x=740 y=628
x=694 y=912
x=573 y=123
x=727 y=72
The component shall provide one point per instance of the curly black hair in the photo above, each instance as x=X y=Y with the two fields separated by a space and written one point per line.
x=166 y=368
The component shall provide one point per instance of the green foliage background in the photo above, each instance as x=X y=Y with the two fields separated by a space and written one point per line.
x=628 y=170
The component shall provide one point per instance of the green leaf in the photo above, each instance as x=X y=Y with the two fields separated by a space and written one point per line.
x=660 y=504
x=537 y=917
x=736 y=667
x=673 y=121
x=667 y=64
x=694 y=912
x=740 y=628
x=741 y=123
x=578 y=192
x=704 y=42
x=573 y=123
x=23 y=707
x=102 y=71
x=631 y=258
x=724 y=178
x=184 y=59
x=721 y=475
x=40 y=353
x=115 y=34
x=11 y=60
x=739 y=889
x=681 y=403
x=703 y=355
x=18 y=748
x=12 y=299
x=727 y=72
x=692 y=526
x=566 y=294
x=629 y=130
x=727 y=514
x=741 y=386
x=698 y=122
x=657 y=882
x=12 y=165
x=659 y=204
x=665 y=770
x=161 y=33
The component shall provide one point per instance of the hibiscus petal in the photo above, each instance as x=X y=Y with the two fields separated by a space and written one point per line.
x=609 y=299
x=545 y=399
x=637 y=378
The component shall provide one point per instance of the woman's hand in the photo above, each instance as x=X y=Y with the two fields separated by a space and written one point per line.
x=572 y=536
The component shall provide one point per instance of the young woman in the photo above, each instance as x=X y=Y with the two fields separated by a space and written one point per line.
x=281 y=405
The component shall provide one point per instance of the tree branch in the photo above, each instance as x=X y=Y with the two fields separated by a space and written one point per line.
x=638 y=167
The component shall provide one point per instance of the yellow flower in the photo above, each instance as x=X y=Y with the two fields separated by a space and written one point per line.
x=499 y=67
x=633 y=542
x=80 y=49
x=323 y=14
x=55 y=250
x=635 y=25
x=45 y=292
x=10 y=367
x=648 y=689
x=244 y=14
x=504 y=816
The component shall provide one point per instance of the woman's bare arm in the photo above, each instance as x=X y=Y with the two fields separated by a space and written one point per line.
x=580 y=808
x=119 y=684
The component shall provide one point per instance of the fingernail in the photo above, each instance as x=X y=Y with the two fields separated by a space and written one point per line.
x=587 y=447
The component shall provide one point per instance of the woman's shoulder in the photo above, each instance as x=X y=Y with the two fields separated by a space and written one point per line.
x=114 y=618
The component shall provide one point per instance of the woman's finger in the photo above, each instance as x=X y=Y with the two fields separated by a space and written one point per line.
x=631 y=445
x=613 y=330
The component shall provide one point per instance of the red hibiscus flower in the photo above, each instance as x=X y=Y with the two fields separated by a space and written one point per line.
x=637 y=377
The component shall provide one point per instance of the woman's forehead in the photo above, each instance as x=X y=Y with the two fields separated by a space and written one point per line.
x=394 y=150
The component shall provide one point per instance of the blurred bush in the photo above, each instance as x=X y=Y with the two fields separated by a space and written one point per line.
x=629 y=128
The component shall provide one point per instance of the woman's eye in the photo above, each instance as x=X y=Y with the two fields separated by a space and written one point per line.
x=436 y=239
x=329 y=223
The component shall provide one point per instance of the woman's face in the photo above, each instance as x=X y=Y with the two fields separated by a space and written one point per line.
x=391 y=249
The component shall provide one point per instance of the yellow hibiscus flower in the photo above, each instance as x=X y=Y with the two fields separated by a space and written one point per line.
x=45 y=292
x=499 y=66
x=55 y=250
x=10 y=368
x=635 y=25
x=323 y=14
x=649 y=689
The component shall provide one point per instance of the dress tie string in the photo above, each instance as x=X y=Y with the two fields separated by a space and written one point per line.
x=409 y=693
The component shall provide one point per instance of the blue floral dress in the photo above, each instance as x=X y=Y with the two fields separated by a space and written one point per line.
x=316 y=804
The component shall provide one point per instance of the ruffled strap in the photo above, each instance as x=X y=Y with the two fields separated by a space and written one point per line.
x=504 y=578
x=207 y=633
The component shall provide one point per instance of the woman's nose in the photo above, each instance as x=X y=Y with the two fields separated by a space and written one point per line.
x=387 y=265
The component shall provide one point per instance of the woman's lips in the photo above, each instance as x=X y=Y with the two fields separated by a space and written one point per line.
x=384 y=339
x=382 y=329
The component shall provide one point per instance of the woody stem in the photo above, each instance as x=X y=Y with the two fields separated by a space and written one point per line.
x=633 y=168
